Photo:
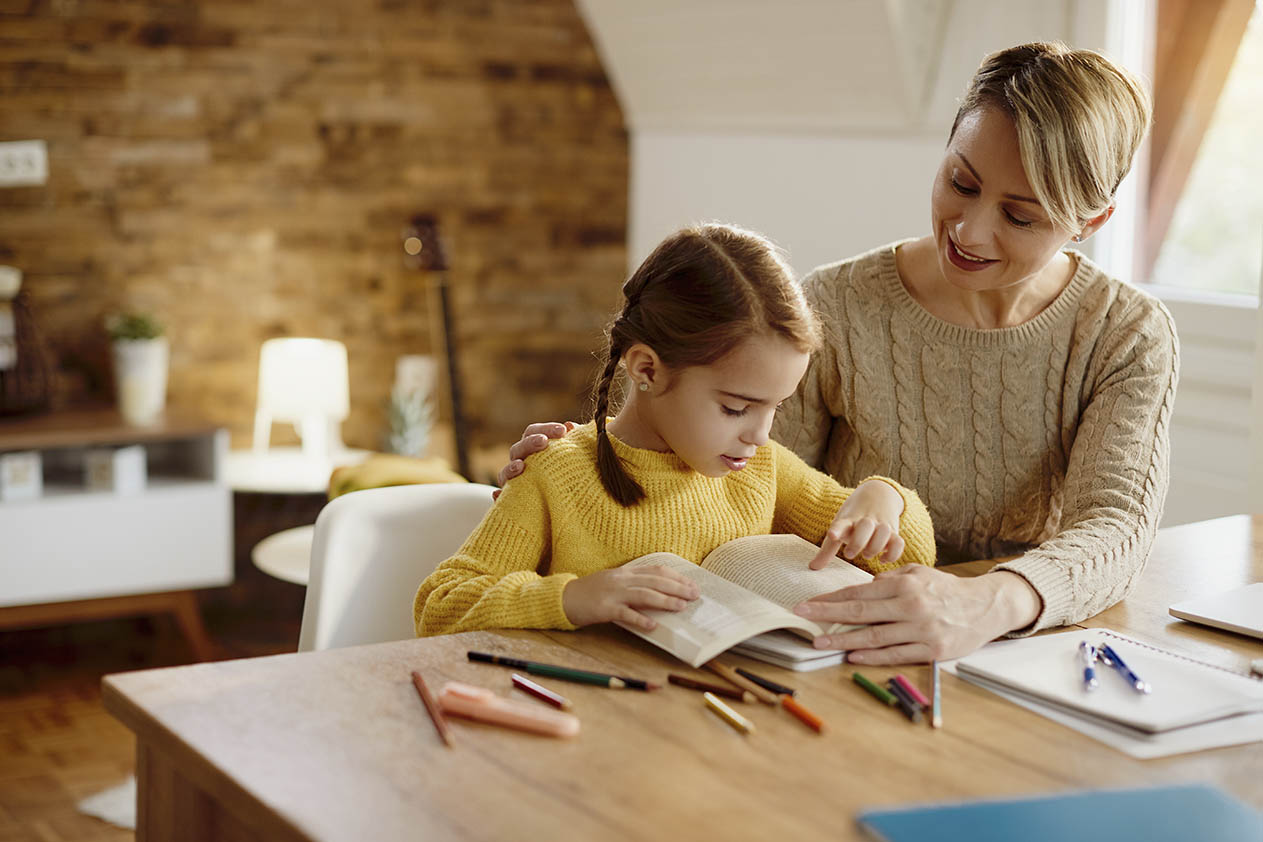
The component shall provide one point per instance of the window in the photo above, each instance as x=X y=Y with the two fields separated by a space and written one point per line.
x=1214 y=241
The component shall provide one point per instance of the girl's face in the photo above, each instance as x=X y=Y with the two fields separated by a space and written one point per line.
x=989 y=229
x=715 y=416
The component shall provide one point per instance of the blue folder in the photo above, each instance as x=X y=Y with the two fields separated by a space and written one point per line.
x=1195 y=813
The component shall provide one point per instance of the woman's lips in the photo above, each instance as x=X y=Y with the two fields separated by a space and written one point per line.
x=733 y=463
x=960 y=261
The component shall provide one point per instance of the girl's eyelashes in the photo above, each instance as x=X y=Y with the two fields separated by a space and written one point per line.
x=962 y=189
x=1020 y=223
x=736 y=413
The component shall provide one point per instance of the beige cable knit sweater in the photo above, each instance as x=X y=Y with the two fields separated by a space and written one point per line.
x=1048 y=439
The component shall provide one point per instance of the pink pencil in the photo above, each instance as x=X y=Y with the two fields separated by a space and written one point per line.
x=912 y=690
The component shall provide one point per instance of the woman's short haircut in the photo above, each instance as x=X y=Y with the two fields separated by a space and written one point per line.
x=1079 y=118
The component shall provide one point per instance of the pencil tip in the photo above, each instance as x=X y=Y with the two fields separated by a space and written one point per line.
x=653 y=685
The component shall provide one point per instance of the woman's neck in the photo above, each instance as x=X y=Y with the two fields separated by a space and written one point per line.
x=917 y=265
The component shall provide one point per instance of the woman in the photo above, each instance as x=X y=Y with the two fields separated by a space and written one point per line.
x=1024 y=393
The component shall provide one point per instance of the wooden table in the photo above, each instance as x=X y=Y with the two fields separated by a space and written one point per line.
x=335 y=745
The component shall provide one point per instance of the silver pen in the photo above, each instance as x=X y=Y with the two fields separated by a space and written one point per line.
x=1088 y=652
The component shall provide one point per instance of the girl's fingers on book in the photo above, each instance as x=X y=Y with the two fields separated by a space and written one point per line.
x=667 y=581
x=632 y=617
x=839 y=531
x=861 y=533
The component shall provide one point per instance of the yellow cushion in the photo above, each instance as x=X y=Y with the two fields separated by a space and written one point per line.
x=383 y=469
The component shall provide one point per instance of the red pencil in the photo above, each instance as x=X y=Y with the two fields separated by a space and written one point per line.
x=528 y=686
x=432 y=708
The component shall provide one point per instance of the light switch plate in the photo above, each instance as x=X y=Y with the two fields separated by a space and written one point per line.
x=23 y=163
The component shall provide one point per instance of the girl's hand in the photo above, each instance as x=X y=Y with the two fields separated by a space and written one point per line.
x=866 y=526
x=617 y=594
x=534 y=439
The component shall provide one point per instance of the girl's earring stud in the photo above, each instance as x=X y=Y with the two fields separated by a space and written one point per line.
x=644 y=387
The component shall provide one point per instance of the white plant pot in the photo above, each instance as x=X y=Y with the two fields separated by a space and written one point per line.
x=140 y=375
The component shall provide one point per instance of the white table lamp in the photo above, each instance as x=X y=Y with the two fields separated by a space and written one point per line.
x=303 y=382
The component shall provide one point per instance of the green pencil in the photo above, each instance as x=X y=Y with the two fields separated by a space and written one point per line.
x=879 y=692
x=616 y=682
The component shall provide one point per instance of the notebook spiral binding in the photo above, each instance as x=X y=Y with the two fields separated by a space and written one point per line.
x=1177 y=655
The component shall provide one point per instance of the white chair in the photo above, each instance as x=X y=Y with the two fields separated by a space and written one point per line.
x=305 y=382
x=371 y=551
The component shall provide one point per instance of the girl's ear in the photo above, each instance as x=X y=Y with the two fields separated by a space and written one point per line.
x=645 y=368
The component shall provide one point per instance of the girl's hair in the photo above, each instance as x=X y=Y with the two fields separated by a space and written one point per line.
x=701 y=292
x=1079 y=118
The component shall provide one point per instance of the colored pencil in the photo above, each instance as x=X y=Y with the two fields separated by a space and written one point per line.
x=808 y=718
x=880 y=693
x=915 y=693
x=728 y=715
x=706 y=687
x=910 y=707
x=617 y=682
x=766 y=683
x=729 y=674
x=432 y=708
x=936 y=715
x=524 y=684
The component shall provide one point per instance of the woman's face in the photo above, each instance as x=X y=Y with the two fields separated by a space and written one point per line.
x=989 y=230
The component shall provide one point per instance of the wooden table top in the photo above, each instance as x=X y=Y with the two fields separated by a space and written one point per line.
x=335 y=745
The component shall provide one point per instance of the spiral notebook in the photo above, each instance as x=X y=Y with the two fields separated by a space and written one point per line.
x=1048 y=669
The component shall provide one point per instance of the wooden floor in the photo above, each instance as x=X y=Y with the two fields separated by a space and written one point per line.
x=57 y=743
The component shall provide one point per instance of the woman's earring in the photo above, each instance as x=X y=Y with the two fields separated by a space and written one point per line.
x=1078 y=238
x=644 y=387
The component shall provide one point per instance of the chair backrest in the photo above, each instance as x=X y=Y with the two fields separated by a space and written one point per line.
x=305 y=382
x=371 y=551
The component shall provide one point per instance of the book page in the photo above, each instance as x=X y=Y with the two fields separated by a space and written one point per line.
x=722 y=616
x=775 y=567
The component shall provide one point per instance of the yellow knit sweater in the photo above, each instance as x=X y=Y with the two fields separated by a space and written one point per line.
x=556 y=522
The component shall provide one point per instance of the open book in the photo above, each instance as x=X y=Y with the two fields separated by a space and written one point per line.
x=748 y=587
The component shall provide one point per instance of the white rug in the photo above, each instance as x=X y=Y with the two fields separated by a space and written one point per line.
x=116 y=805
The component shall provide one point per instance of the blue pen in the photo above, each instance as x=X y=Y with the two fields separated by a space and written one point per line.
x=1111 y=659
x=1088 y=652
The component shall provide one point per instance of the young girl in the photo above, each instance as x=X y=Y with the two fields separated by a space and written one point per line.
x=713 y=335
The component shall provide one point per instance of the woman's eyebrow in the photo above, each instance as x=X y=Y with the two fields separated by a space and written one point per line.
x=1006 y=195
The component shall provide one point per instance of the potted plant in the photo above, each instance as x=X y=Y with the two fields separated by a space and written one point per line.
x=140 y=366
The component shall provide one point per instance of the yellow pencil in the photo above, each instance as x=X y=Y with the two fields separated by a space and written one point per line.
x=727 y=714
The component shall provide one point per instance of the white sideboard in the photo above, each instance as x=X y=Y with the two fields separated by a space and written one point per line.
x=81 y=548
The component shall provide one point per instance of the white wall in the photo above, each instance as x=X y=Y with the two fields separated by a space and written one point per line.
x=820 y=124
x=821 y=198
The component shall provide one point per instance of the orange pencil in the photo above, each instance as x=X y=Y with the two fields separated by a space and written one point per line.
x=432 y=708
x=808 y=718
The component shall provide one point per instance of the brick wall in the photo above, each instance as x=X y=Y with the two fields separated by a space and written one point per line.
x=244 y=170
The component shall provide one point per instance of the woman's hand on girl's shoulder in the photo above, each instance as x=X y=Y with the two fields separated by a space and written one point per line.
x=866 y=526
x=534 y=439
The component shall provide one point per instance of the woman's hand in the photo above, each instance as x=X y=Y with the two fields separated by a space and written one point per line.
x=534 y=439
x=866 y=526
x=617 y=594
x=919 y=614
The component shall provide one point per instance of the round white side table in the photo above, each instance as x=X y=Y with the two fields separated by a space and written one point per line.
x=286 y=554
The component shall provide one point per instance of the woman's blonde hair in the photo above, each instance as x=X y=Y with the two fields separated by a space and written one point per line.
x=1079 y=117
x=701 y=293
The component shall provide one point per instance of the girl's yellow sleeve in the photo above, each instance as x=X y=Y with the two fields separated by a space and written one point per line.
x=808 y=500
x=493 y=581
